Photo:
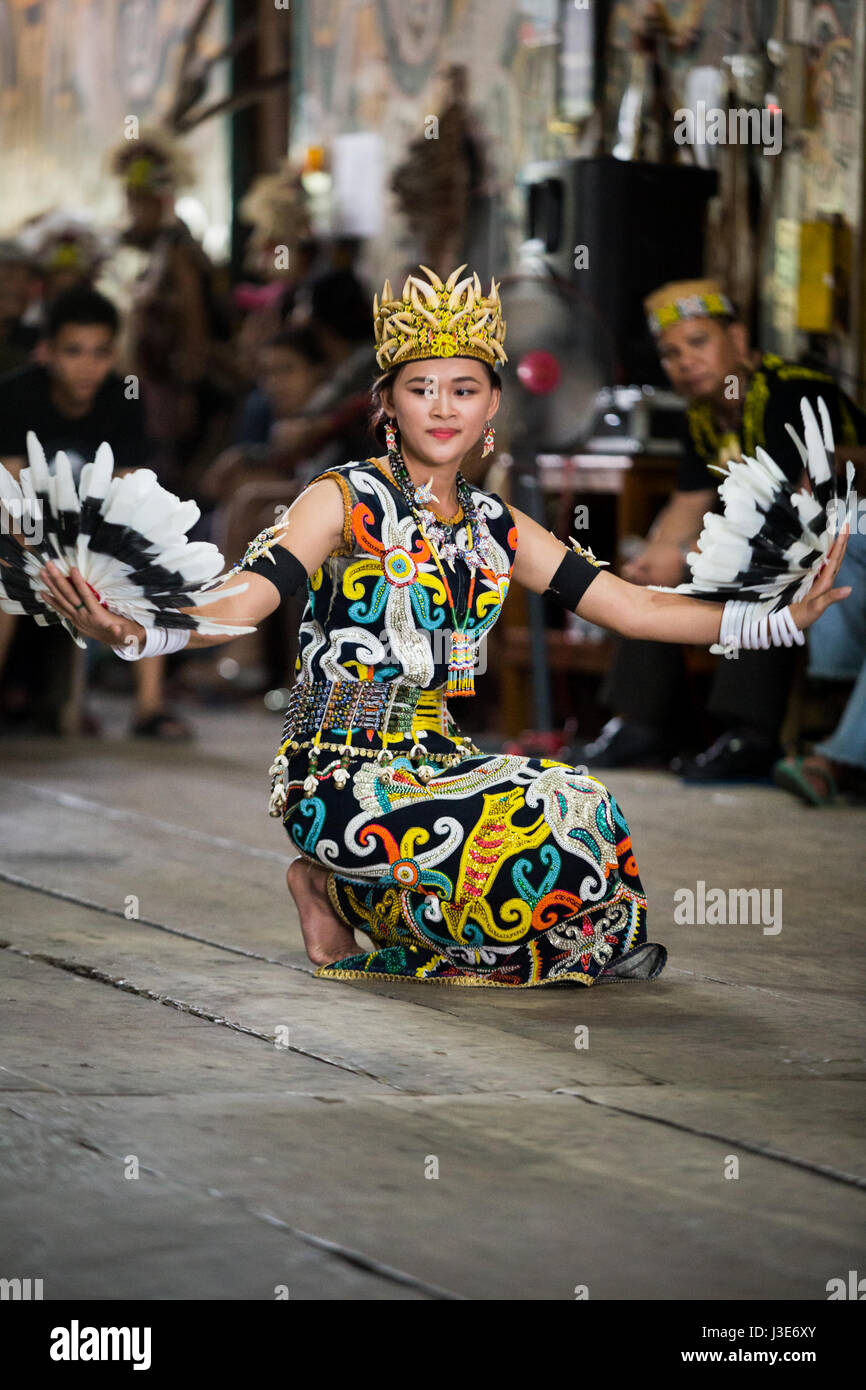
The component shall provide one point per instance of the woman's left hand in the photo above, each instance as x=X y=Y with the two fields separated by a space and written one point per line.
x=822 y=593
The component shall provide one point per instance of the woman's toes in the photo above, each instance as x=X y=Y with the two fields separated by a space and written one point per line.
x=318 y=957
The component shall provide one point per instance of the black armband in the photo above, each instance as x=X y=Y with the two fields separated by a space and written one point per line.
x=282 y=568
x=572 y=579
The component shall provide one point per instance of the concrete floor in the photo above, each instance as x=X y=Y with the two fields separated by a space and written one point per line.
x=151 y=959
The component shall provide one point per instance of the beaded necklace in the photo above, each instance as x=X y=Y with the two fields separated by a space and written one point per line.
x=477 y=553
x=461 y=659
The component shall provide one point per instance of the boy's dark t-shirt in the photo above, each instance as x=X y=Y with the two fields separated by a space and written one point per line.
x=26 y=404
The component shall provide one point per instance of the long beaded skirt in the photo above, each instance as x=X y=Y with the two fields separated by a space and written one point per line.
x=464 y=867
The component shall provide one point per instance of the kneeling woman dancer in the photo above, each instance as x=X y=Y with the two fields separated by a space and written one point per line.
x=463 y=867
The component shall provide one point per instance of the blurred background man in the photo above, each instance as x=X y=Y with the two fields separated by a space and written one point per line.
x=738 y=399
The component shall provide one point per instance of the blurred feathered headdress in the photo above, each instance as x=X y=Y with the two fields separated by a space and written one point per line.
x=154 y=162
x=277 y=206
x=62 y=240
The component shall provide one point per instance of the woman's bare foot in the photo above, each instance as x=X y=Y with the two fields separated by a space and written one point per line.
x=326 y=938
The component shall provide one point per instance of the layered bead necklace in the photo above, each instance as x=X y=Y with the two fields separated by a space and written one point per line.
x=443 y=546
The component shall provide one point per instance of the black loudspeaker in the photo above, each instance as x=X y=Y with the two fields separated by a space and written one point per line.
x=617 y=230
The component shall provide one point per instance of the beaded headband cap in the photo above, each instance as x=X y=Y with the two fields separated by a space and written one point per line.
x=436 y=319
x=686 y=299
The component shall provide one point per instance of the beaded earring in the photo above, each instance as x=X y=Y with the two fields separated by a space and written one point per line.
x=489 y=439
x=390 y=437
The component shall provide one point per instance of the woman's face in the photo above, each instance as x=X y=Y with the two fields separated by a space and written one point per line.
x=442 y=406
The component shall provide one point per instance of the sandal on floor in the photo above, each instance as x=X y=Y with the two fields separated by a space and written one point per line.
x=162 y=725
x=789 y=774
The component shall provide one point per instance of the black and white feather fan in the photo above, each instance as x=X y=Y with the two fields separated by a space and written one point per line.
x=773 y=537
x=126 y=535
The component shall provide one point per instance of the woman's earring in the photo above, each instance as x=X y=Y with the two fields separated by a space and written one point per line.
x=390 y=437
x=489 y=440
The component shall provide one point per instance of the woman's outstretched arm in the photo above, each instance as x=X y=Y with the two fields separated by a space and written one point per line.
x=634 y=611
x=313 y=529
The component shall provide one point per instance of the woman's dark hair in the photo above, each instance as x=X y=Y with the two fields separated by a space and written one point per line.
x=302 y=341
x=80 y=305
x=378 y=413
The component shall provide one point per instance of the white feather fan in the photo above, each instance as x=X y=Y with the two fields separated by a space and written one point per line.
x=126 y=535
x=773 y=537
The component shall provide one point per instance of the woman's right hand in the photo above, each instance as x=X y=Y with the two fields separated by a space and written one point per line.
x=74 y=600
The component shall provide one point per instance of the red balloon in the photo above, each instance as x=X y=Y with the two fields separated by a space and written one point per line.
x=539 y=372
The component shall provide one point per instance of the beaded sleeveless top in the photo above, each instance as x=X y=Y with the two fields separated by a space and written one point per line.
x=377 y=609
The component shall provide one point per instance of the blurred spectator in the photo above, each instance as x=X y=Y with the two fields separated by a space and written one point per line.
x=309 y=411
x=737 y=399
x=271 y=306
x=254 y=478
x=339 y=312
x=179 y=329
x=331 y=424
x=66 y=252
x=268 y=306
x=283 y=253
x=73 y=399
x=291 y=368
x=18 y=285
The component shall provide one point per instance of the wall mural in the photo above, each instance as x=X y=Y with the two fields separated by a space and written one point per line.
x=833 y=144
x=379 y=65
x=413 y=31
x=70 y=71
x=823 y=161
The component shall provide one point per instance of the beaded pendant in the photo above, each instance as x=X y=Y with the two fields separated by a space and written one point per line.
x=461 y=665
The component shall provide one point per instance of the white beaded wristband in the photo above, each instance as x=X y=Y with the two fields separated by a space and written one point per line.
x=159 y=641
x=785 y=625
x=745 y=626
x=730 y=629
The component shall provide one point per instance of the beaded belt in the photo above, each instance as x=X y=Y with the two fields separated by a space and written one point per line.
x=344 y=707
x=388 y=707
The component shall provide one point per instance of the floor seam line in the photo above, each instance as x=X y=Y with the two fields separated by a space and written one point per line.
x=92 y=972
x=30 y=886
x=119 y=813
x=818 y=1169
x=337 y=1249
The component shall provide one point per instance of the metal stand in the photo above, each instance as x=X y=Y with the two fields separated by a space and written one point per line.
x=529 y=498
